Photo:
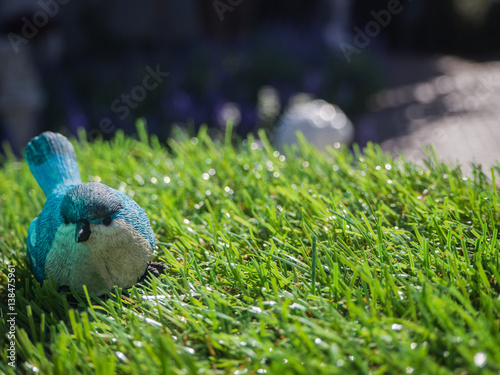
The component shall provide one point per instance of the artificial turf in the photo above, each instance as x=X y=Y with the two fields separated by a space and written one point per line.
x=280 y=263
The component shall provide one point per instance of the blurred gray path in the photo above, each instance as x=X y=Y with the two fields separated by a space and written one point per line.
x=454 y=104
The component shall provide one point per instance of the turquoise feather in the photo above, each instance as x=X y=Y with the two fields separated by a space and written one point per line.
x=52 y=160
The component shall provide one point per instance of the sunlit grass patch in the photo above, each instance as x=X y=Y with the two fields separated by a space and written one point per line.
x=278 y=263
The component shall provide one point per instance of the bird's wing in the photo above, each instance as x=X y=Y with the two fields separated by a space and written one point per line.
x=32 y=250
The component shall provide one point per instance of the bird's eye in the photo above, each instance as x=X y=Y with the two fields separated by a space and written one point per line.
x=107 y=221
x=66 y=221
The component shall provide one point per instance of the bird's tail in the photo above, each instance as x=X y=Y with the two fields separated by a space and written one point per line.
x=52 y=160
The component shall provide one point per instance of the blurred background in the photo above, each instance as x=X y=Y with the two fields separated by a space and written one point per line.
x=400 y=73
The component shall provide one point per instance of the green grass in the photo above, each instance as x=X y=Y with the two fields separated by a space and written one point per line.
x=304 y=264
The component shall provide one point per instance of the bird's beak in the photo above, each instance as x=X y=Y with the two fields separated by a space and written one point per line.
x=83 y=231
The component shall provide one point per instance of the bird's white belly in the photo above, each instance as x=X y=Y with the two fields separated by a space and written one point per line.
x=113 y=255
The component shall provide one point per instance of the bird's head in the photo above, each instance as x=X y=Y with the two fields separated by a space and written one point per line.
x=90 y=203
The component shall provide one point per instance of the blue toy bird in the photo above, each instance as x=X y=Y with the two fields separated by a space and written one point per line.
x=87 y=233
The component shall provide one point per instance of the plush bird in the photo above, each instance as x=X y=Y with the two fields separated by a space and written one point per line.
x=87 y=233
